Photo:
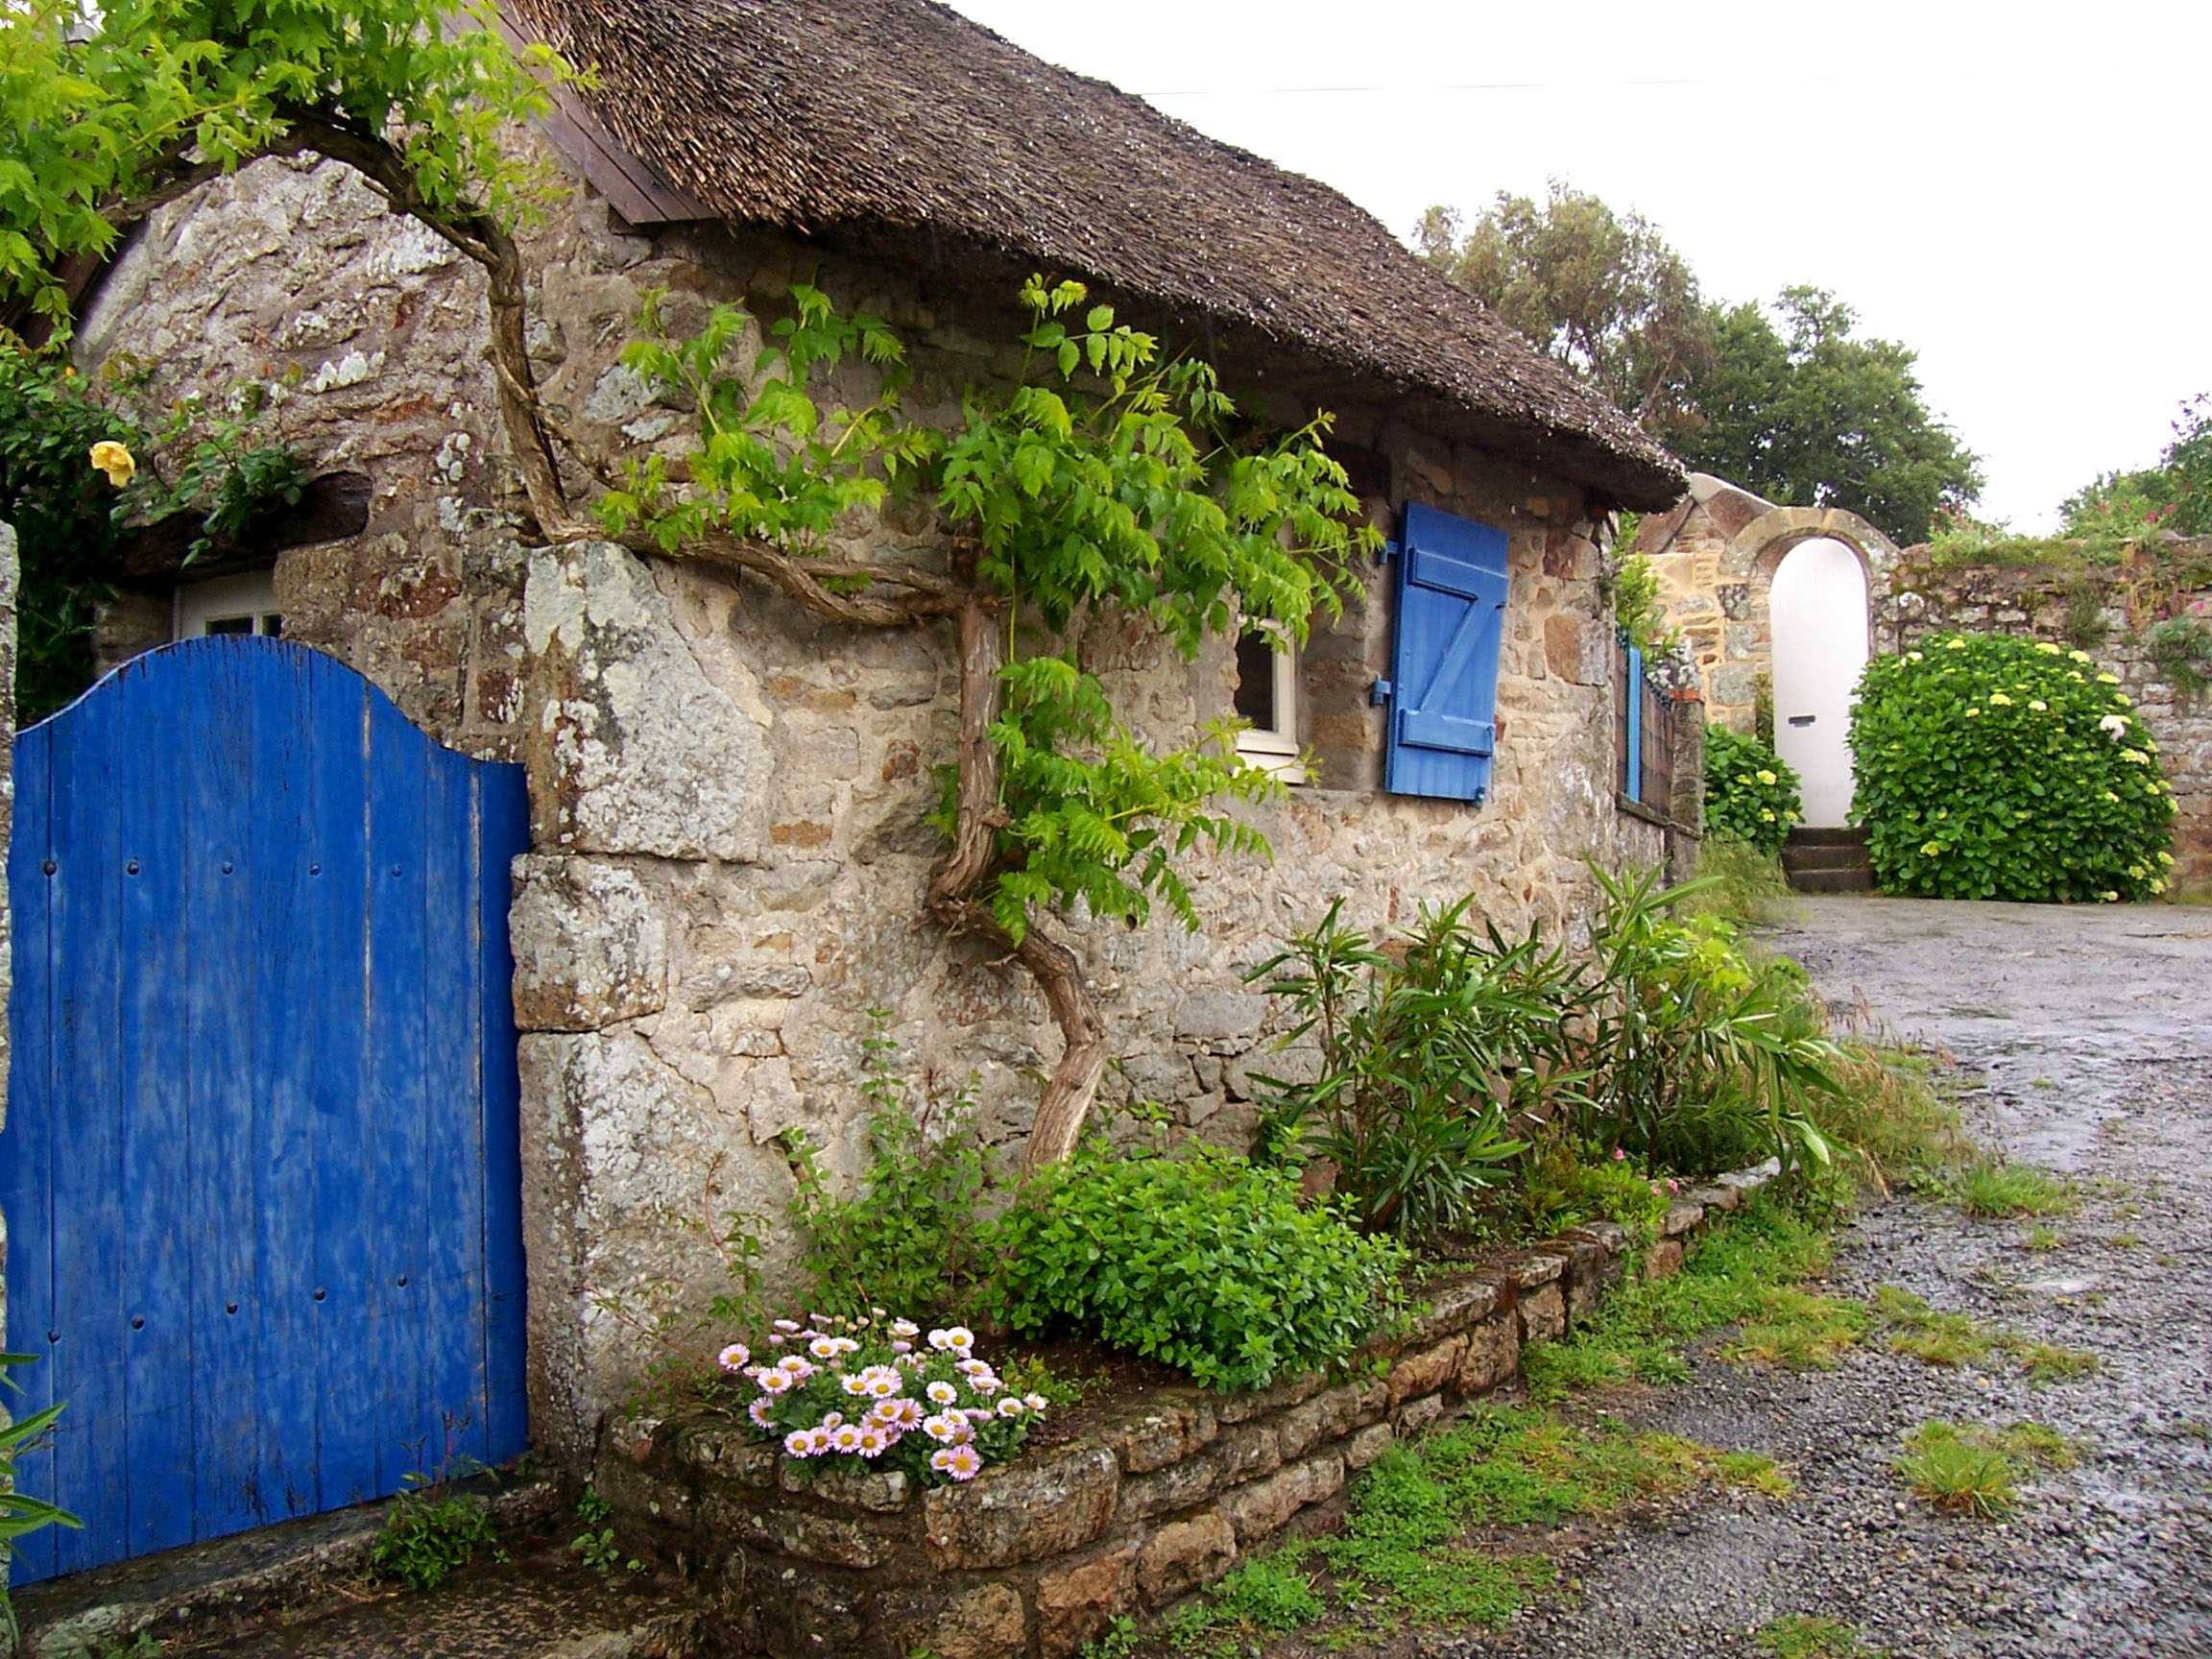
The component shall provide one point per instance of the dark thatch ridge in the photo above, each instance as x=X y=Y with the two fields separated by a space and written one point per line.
x=815 y=115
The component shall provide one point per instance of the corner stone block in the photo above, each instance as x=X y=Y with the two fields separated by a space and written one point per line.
x=1543 y=1314
x=1369 y=1444
x=1185 y=1554
x=1076 y=1603
x=637 y=748
x=1455 y=1304
x=1425 y=1371
x=1023 y=1511
x=1492 y=1356
x=590 y=944
x=1663 y=1260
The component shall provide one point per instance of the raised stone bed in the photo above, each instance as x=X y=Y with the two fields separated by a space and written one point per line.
x=1160 y=1498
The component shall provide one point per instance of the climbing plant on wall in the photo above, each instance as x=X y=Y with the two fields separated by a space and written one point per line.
x=1112 y=481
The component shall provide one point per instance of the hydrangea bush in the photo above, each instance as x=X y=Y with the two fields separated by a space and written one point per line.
x=1749 y=793
x=1991 y=766
x=879 y=1392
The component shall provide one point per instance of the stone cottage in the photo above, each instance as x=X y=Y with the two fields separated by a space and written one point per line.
x=729 y=795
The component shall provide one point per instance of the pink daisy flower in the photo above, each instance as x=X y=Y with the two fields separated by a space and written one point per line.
x=734 y=1358
x=763 y=1413
x=961 y=1462
x=798 y=1443
x=874 y=1442
x=1010 y=1407
x=846 y=1438
x=943 y=1393
x=948 y=1429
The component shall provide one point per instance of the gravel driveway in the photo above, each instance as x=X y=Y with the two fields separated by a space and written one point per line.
x=2090 y=1033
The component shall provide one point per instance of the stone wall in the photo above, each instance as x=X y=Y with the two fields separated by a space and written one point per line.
x=1151 y=1498
x=730 y=796
x=2046 y=603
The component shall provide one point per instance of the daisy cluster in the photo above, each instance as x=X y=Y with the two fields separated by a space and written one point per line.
x=883 y=1391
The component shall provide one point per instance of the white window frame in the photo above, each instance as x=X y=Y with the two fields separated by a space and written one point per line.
x=248 y=595
x=1275 y=748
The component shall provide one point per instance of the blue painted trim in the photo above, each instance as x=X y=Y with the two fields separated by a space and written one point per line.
x=1635 y=778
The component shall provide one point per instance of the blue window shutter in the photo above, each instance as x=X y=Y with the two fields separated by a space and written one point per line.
x=1451 y=620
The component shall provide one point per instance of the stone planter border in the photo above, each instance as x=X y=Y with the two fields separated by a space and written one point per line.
x=1033 y=1559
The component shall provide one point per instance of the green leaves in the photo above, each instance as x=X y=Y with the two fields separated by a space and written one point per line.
x=1990 y=766
x=97 y=117
x=1201 y=1261
x=1749 y=793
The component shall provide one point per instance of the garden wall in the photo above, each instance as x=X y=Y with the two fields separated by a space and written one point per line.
x=2106 y=610
x=1152 y=1498
x=731 y=796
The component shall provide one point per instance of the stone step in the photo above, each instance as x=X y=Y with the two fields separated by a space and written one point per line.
x=1859 y=880
x=540 y=1608
x=1824 y=858
x=179 y=1595
x=1838 y=835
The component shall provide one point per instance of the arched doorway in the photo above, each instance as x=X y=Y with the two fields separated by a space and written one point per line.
x=1818 y=609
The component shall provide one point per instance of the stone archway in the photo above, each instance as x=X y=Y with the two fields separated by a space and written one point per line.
x=1716 y=555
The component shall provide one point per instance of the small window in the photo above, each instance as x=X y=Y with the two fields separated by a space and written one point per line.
x=1267 y=697
x=242 y=604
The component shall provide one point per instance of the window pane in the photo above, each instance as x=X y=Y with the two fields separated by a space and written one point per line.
x=1256 y=682
x=272 y=625
x=230 y=624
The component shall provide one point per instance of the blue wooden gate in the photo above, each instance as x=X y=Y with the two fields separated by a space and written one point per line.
x=260 y=1172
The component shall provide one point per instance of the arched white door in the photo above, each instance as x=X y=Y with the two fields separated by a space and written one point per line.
x=1818 y=606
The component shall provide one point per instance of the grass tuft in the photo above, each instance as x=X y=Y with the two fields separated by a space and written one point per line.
x=1991 y=1190
x=1803 y=1636
x=1974 y=1470
x=1940 y=1338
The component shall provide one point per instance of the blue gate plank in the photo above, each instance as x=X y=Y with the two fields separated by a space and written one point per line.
x=260 y=1170
x=398 y=1097
x=503 y=829
x=215 y=802
x=161 y=1465
x=282 y=700
x=346 y=1339
x=450 y=1295
x=90 y=1452
x=26 y=1162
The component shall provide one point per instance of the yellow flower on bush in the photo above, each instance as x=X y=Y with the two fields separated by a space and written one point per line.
x=2107 y=678
x=2038 y=705
x=1973 y=713
x=2110 y=897
x=1954 y=645
x=2047 y=649
x=2135 y=756
x=1765 y=776
x=2078 y=657
x=2167 y=860
x=114 y=460
x=1913 y=657
x=1998 y=700
x=2136 y=871
x=1767 y=815
x=1929 y=849
x=2111 y=797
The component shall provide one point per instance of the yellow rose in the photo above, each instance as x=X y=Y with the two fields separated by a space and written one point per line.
x=112 y=459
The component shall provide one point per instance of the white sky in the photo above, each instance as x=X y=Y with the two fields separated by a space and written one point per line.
x=2018 y=192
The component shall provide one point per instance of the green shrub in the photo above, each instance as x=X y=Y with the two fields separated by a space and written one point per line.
x=907 y=1240
x=1750 y=796
x=1994 y=767
x=1201 y=1261
x=1700 y=1057
x=429 y=1533
x=1427 y=1048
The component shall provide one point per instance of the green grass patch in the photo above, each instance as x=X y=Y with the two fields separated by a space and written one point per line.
x=1994 y=1191
x=1411 y=1551
x=1973 y=1470
x=1892 y=1118
x=1960 y=1339
x=2042 y=1238
x=1747 y=1273
x=1802 y=1636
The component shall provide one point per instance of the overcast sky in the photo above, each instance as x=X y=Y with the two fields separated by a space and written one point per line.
x=2018 y=192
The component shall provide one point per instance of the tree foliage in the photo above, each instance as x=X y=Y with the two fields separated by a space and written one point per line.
x=1808 y=414
x=107 y=120
x=1787 y=402
x=2176 y=495
x=1600 y=291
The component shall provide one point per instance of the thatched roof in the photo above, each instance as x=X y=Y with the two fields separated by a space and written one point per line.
x=818 y=115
